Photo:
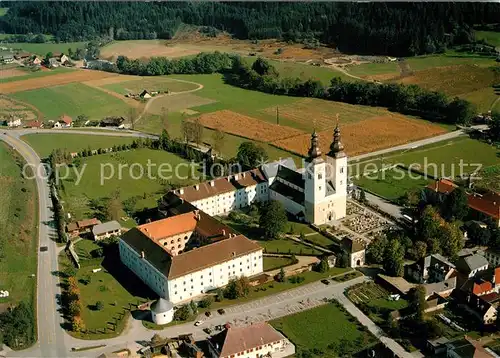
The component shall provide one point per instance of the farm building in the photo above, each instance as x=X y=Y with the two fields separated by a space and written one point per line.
x=64 y=121
x=106 y=230
x=22 y=56
x=34 y=124
x=12 y=122
x=112 y=122
x=316 y=194
x=6 y=57
x=53 y=63
x=145 y=94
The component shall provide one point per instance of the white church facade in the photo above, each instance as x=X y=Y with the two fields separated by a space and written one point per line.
x=317 y=193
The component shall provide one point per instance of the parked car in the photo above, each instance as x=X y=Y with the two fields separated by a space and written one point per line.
x=207 y=330
x=208 y=313
x=326 y=282
x=198 y=323
x=43 y=248
x=221 y=311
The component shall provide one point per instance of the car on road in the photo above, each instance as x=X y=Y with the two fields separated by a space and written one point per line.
x=208 y=313
x=221 y=311
x=198 y=323
x=326 y=282
x=43 y=248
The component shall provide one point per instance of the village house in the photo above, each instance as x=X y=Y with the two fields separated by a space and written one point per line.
x=493 y=257
x=81 y=227
x=471 y=265
x=34 y=124
x=112 y=122
x=106 y=230
x=484 y=204
x=22 y=56
x=145 y=94
x=256 y=340
x=6 y=57
x=12 y=122
x=483 y=307
x=53 y=63
x=63 y=59
x=64 y=121
x=36 y=61
x=465 y=348
x=184 y=256
x=432 y=268
x=355 y=251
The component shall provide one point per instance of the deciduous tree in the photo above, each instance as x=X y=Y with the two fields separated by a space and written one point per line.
x=273 y=219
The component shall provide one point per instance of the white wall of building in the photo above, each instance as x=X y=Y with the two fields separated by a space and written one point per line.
x=271 y=349
x=163 y=317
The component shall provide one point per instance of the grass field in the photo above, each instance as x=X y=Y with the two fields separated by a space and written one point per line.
x=45 y=143
x=491 y=37
x=320 y=240
x=115 y=286
x=370 y=69
x=272 y=263
x=375 y=296
x=323 y=328
x=144 y=191
x=73 y=99
x=43 y=49
x=287 y=246
x=392 y=184
x=18 y=227
x=159 y=84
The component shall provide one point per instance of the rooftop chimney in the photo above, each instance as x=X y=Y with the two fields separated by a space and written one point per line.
x=143 y=255
x=223 y=232
x=181 y=191
x=212 y=183
x=236 y=177
x=197 y=187
x=243 y=174
x=233 y=254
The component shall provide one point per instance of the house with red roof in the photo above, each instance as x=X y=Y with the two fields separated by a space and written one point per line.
x=34 y=124
x=64 y=121
x=487 y=204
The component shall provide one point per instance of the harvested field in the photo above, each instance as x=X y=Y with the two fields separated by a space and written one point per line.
x=248 y=127
x=177 y=102
x=321 y=114
x=454 y=80
x=109 y=80
x=18 y=109
x=54 y=80
x=11 y=72
x=138 y=49
x=368 y=135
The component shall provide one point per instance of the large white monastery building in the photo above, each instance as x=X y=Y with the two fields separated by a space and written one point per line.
x=317 y=192
x=189 y=252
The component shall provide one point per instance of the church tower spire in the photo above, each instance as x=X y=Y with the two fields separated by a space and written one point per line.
x=314 y=151
x=337 y=148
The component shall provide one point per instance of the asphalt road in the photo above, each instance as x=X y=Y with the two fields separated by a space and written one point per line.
x=50 y=334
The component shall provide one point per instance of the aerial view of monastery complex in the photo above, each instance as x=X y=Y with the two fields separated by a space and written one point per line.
x=249 y=179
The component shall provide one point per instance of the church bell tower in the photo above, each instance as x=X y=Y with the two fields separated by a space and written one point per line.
x=314 y=180
x=336 y=164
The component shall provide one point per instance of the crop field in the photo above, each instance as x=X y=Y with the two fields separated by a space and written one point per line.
x=45 y=143
x=159 y=84
x=319 y=114
x=28 y=74
x=10 y=72
x=327 y=325
x=18 y=109
x=248 y=127
x=128 y=181
x=44 y=48
x=368 y=135
x=375 y=69
x=145 y=49
x=392 y=184
x=18 y=225
x=73 y=99
x=35 y=81
x=454 y=80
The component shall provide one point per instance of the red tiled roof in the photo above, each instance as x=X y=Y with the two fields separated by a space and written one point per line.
x=34 y=124
x=443 y=186
x=481 y=288
x=66 y=119
x=160 y=229
x=221 y=185
x=488 y=204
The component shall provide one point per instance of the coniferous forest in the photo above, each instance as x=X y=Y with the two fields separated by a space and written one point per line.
x=398 y=29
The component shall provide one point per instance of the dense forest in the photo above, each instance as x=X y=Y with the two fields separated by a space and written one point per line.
x=375 y=28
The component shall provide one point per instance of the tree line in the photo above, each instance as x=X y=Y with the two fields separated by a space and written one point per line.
x=374 y=28
x=262 y=76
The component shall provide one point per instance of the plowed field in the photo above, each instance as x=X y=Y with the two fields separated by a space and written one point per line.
x=367 y=136
x=248 y=127
x=55 y=80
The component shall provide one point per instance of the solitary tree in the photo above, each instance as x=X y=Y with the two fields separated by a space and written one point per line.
x=280 y=277
x=273 y=219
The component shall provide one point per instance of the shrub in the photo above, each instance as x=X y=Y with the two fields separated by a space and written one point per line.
x=99 y=306
x=206 y=302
